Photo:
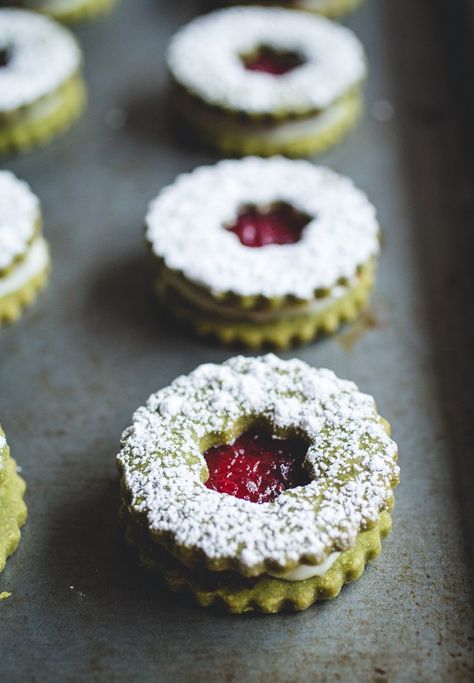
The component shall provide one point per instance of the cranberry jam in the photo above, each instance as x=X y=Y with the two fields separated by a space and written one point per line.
x=280 y=224
x=271 y=61
x=257 y=467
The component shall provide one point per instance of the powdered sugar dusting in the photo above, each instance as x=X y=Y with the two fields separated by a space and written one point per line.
x=43 y=55
x=186 y=227
x=19 y=211
x=351 y=460
x=205 y=58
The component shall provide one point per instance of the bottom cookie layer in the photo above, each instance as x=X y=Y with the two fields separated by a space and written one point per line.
x=282 y=332
x=266 y=594
x=290 y=137
x=70 y=11
x=12 y=512
x=328 y=8
x=38 y=123
x=21 y=287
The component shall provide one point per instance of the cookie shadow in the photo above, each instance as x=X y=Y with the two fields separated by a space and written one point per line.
x=152 y=120
x=121 y=300
x=147 y=115
x=435 y=132
x=87 y=558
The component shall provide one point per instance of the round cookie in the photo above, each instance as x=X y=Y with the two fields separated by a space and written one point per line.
x=314 y=469
x=41 y=87
x=263 y=251
x=329 y=8
x=12 y=507
x=264 y=81
x=70 y=11
x=24 y=253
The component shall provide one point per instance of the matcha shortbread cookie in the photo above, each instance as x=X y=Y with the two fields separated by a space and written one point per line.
x=264 y=81
x=263 y=251
x=41 y=88
x=12 y=506
x=259 y=484
x=24 y=253
x=329 y=8
x=70 y=11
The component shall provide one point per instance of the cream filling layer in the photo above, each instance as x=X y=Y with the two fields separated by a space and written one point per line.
x=307 y=571
x=260 y=316
x=300 y=573
x=37 y=111
x=34 y=263
x=280 y=132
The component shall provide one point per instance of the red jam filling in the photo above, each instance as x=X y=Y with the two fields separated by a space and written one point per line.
x=274 y=62
x=280 y=224
x=257 y=467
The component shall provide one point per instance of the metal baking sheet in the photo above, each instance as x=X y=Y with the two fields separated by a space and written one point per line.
x=94 y=347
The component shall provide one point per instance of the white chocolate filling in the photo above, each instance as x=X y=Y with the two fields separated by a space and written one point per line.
x=19 y=215
x=275 y=133
x=303 y=571
x=42 y=109
x=213 y=307
x=34 y=263
x=307 y=571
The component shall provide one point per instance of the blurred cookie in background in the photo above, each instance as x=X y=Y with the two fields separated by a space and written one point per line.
x=42 y=91
x=329 y=8
x=24 y=253
x=70 y=11
x=264 y=81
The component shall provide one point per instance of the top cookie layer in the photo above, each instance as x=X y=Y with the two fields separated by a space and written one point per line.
x=186 y=226
x=19 y=213
x=351 y=462
x=41 y=56
x=205 y=57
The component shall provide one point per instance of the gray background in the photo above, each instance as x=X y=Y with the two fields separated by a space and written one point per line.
x=93 y=348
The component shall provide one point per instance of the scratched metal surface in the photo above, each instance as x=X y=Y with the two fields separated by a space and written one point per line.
x=93 y=348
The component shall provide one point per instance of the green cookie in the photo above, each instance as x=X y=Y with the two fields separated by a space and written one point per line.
x=14 y=302
x=328 y=8
x=282 y=330
x=36 y=124
x=68 y=12
x=233 y=593
x=12 y=512
x=292 y=137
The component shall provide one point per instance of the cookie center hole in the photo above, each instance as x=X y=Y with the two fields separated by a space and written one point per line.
x=272 y=61
x=280 y=223
x=5 y=56
x=257 y=466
